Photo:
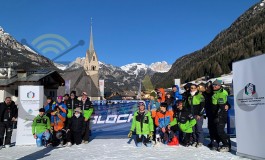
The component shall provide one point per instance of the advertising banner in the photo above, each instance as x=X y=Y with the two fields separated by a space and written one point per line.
x=30 y=100
x=249 y=103
x=112 y=118
x=101 y=87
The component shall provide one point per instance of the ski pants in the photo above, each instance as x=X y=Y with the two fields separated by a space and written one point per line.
x=224 y=138
x=212 y=129
x=187 y=138
x=86 y=134
x=197 y=134
x=74 y=137
x=42 y=137
x=6 y=129
x=143 y=139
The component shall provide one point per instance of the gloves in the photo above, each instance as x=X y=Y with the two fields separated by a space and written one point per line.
x=190 y=116
x=130 y=134
x=150 y=135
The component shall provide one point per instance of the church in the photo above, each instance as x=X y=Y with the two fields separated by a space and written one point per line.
x=86 y=78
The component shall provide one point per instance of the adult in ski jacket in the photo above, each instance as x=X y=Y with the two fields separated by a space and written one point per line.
x=8 y=115
x=219 y=110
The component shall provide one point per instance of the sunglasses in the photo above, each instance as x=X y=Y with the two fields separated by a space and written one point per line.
x=192 y=87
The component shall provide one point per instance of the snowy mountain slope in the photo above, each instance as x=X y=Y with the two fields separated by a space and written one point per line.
x=14 y=54
x=134 y=68
x=120 y=78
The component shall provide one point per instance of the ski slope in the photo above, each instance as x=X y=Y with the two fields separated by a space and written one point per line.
x=115 y=148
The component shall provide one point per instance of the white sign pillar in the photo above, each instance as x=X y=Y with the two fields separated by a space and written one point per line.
x=249 y=103
x=30 y=100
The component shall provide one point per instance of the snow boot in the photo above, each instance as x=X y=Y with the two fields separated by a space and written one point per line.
x=194 y=144
x=224 y=149
x=7 y=146
x=68 y=144
x=213 y=145
x=199 y=145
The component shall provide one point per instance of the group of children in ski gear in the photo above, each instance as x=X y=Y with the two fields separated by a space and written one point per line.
x=63 y=122
x=184 y=114
x=169 y=118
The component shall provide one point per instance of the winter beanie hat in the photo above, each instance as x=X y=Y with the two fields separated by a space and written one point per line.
x=153 y=93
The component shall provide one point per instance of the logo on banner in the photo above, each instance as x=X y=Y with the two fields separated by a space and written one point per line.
x=250 y=89
x=30 y=94
x=248 y=98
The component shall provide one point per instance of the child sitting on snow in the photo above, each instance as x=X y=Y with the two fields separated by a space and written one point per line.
x=183 y=121
x=162 y=120
x=40 y=128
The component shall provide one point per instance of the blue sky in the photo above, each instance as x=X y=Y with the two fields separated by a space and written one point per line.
x=125 y=31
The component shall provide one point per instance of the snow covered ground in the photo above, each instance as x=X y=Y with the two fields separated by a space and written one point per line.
x=119 y=147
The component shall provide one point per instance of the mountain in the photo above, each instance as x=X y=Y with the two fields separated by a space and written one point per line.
x=14 y=54
x=243 y=39
x=122 y=78
x=160 y=66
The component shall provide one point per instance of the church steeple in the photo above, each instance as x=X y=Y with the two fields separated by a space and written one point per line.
x=91 y=45
x=91 y=68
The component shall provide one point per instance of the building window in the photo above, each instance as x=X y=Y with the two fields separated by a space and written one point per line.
x=16 y=93
x=52 y=93
x=93 y=68
x=94 y=58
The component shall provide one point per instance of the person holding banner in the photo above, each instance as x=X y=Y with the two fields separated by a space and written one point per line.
x=8 y=115
x=219 y=110
x=142 y=123
x=41 y=128
x=87 y=109
x=58 y=117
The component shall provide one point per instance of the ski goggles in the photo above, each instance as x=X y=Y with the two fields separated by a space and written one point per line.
x=140 y=104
